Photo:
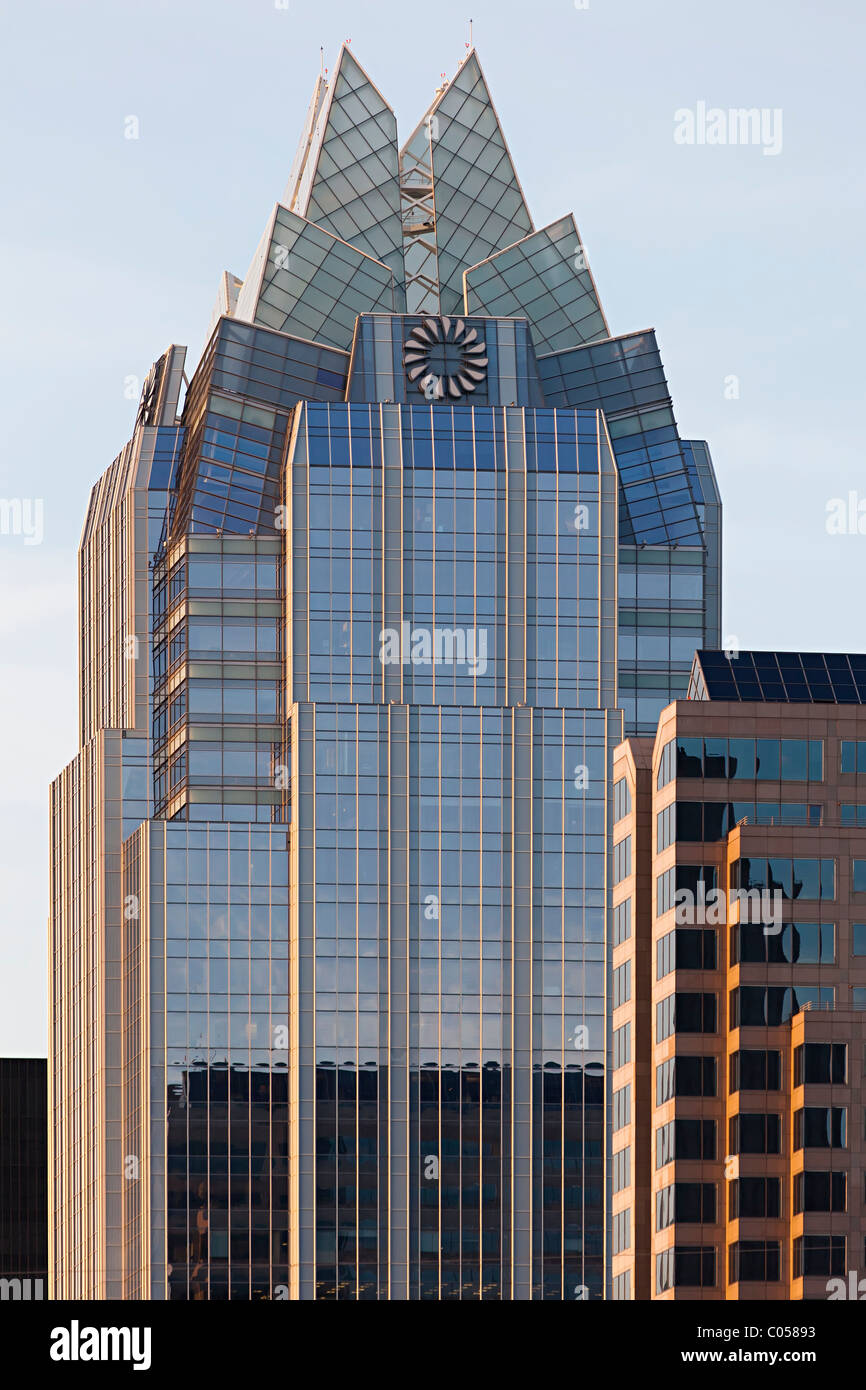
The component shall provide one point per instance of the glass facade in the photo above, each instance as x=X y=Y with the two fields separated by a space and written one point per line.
x=448 y=931
x=332 y=870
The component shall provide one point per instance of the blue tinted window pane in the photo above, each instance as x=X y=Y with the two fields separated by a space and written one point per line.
x=768 y=760
x=741 y=757
x=794 y=760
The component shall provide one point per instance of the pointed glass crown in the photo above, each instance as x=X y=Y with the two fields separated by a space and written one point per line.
x=440 y=226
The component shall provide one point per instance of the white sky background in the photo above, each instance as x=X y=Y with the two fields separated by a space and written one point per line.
x=746 y=264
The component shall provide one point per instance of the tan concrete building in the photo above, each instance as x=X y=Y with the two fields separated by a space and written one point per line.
x=739 y=987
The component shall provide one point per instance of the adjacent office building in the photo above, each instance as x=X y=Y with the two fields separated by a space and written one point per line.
x=23 y=1178
x=739 y=985
x=367 y=603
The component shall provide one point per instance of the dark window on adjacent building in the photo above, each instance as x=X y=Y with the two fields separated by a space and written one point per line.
x=762 y=760
x=686 y=1266
x=685 y=949
x=685 y=1013
x=820 y=1191
x=800 y=943
x=821 y=1064
x=755 y=1134
x=682 y=1139
x=685 y=1202
x=754 y=1197
x=821 y=1127
x=757 y=1261
x=754 y=1006
x=685 y=1076
x=807 y=880
x=821 y=1255
x=756 y=1069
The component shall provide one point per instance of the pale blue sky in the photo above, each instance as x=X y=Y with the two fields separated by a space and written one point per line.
x=746 y=264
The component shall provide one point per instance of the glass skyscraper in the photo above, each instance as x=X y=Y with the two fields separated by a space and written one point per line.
x=366 y=606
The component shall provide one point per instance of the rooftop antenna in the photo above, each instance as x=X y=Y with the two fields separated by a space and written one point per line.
x=322 y=56
x=469 y=45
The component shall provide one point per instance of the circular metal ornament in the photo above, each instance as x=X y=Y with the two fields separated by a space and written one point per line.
x=461 y=349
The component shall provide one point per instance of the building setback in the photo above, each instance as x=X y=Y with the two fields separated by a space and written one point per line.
x=367 y=602
x=739 y=994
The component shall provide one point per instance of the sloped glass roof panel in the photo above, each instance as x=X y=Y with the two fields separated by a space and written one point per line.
x=467 y=140
x=312 y=284
x=354 y=151
x=543 y=277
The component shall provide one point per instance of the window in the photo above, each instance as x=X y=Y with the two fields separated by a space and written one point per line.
x=622 y=1046
x=666 y=827
x=698 y=821
x=821 y=1064
x=807 y=880
x=621 y=1169
x=853 y=756
x=622 y=922
x=621 y=1108
x=754 y=1197
x=686 y=1202
x=621 y=1231
x=820 y=1191
x=685 y=949
x=694 y=880
x=690 y=757
x=622 y=984
x=665 y=890
x=756 y=1134
x=800 y=943
x=763 y=759
x=756 y=1261
x=622 y=860
x=858 y=939
x=685 y=1013
x=686 y=1266
x=685 y=1076
x=820 y=1127
x=756 y=1069
x=682 y=1139
x=753 y=1006
x=667 y=764
x=621 y=799
x=666 y=956
x=821 y=1255
x=858 y=875
x=622 y=1287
